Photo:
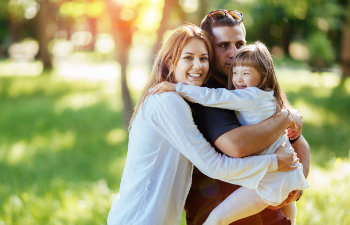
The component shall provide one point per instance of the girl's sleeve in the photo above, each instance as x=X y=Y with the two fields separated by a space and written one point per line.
x=239 y=100
x=169 y=114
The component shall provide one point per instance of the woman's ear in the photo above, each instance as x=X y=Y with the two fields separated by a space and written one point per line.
x=169 y=63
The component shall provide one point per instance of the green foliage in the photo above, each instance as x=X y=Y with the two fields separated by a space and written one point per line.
x=322 y=53
x=279 y=23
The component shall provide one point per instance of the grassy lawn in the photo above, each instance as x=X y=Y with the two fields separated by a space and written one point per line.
x=63 y=147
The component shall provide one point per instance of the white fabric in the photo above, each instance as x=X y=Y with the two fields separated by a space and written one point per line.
x=252 y=105
x=238 y=205
x=163 y=141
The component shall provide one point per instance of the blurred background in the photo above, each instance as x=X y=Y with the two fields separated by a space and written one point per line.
x=72 y=70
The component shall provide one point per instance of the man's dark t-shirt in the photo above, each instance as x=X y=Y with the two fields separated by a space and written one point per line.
x=207 y=193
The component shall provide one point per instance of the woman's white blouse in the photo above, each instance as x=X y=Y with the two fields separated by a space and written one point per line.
x=164 y=143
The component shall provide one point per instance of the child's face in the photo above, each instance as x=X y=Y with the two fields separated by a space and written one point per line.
x=245 y=76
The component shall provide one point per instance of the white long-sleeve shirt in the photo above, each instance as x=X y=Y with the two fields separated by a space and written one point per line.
x=164 y=143
x=252 y=105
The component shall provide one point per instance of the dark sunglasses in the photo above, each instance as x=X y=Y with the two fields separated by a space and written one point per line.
x=221 y=13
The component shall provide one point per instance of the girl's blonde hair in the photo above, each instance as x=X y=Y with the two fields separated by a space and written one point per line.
x=168 y=57
x=257 y=55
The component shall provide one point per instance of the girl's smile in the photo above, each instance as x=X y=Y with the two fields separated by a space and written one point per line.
x=245 y=76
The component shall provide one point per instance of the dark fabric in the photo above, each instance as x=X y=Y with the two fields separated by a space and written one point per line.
x=221 y=121
x=206 y=193
x=292 y=141
x=213 y=122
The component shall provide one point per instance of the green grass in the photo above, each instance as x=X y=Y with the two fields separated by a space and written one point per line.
x=63 y=148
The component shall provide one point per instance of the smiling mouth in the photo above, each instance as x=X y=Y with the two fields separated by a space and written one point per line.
x=240 y=86
x=195 y=75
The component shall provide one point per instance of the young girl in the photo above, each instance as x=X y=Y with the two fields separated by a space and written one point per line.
x=256 y=97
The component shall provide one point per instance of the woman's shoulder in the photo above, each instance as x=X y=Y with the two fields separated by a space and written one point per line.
x=165 y=99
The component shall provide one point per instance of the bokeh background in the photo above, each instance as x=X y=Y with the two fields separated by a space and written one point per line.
x=71 y=71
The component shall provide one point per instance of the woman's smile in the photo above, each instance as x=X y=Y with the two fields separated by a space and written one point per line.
x=193 y=65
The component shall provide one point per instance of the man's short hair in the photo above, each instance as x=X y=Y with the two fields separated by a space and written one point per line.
x=221 y=17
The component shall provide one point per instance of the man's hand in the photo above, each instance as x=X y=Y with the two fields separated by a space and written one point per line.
x=296 y=126
x=293 y=196
x=286 y=159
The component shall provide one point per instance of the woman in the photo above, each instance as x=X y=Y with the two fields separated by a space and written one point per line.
x=164 y=143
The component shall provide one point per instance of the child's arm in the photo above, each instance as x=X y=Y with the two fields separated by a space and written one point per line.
x=239 y=100
x=213 y=97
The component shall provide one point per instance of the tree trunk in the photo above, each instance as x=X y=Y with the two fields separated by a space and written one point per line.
x=203 y=10
x=93 y=29
x=345 y=49
x=43 y=22
x=122 y=33
x=124 y=61
x=169 y=5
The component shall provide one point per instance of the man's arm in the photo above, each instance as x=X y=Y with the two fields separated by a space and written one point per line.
x=251 y=139
x=302 y=148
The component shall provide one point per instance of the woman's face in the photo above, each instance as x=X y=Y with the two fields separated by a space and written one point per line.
x=245 y=76
x=193 y=65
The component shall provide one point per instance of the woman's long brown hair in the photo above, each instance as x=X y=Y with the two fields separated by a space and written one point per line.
x=168 y=57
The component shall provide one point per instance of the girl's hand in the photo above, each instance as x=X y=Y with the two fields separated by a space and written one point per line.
x=286 y=158
x=295 y=128
x=163 y=87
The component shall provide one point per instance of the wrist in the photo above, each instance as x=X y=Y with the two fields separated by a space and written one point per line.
x=285 y=116
x=301 y=193
x=289 y=118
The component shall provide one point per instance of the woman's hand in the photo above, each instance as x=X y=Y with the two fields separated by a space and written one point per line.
x=163 y=87
x=286 y=158
x=295 y=128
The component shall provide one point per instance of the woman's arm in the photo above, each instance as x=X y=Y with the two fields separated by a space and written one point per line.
x=251 y=139
x=172 y=118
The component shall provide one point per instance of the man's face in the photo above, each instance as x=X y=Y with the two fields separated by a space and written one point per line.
x=227 y=40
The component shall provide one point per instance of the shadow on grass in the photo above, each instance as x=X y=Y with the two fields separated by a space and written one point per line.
x=330 y=138
x=41 y=145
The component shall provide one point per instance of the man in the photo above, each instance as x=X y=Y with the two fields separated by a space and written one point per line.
x=221 y=128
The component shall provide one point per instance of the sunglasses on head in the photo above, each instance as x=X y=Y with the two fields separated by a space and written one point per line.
x=221 y=13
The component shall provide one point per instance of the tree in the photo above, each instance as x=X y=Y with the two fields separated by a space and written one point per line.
x=345 y=42
x=123 y=27
x=169 y=6
x=44 y=34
